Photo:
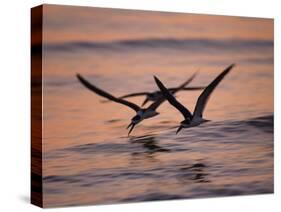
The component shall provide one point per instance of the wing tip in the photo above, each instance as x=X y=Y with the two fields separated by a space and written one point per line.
x=155 y=78
x=79 y=76
x=228 y=68
x=158 y=82
x=231 y=66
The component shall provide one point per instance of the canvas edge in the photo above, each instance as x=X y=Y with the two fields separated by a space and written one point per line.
x=36 y=106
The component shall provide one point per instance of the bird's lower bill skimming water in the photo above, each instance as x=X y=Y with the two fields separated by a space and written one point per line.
x=195 y=119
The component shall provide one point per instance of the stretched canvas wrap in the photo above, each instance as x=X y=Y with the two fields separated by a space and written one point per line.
x=132 y=106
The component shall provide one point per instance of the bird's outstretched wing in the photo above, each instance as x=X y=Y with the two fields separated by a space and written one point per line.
x=183 y=85
x=204 y=97
x=133 y=95
x=106 y=95
x=188 y=88
x=172 y=100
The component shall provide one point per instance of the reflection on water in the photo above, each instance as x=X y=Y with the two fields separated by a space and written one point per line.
x=88 y=157
x=196 y=172
x=149 y=144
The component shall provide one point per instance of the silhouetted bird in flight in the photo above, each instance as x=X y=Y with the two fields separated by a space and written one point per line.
x=195 y=119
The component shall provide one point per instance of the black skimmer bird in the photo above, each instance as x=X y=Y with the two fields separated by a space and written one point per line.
x=155 y=95
x=195 y=119
x=141 y=113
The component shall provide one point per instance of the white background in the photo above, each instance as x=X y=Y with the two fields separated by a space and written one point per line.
x=15 y=102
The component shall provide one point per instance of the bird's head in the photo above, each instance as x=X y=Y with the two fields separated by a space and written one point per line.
x=134 y=121
x=184 y=124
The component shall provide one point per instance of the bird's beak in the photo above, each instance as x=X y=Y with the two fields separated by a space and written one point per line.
x=179 y=129
x=129 y=125
x=145 y=101
x=132 y=125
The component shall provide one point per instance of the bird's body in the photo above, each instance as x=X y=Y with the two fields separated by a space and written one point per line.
x=194 y=122
x=145 y=113
x=141 y=113
x=154 y=96
x=149 y=113
x=195 y=119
